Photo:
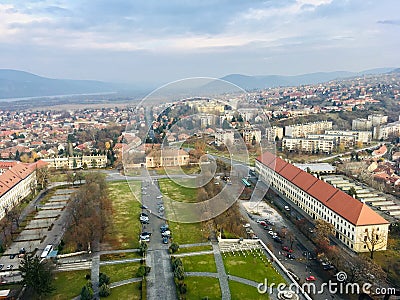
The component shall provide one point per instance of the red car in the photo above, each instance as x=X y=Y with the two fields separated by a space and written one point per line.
x=286 y=248
x=311 y=278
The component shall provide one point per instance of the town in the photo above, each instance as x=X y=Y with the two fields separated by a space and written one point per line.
x=205 y=197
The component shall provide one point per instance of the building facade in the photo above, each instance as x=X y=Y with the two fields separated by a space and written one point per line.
x=352 y=219
x=16 y=183
x=77 y=162
x=311 y=145
x=302 y=130
x=224 y=137
x=167 y=158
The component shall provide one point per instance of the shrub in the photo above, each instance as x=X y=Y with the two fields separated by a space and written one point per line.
x=173 y=248
x=104 y=290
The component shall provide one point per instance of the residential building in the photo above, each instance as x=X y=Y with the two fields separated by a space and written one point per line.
x=271 y=133
x=250 y=134
x=16 y=183
x=386 y=131
x=167 y=158
x=361 y=124
x=224 y=137
x=377 y=119
x=302 y=130
x=353 y=220
x=311 y=145
x=77 y=162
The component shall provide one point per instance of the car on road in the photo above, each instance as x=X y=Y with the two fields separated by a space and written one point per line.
x=311 y=278
x=287 y=208
x=328 y=267
x=165 y=240
x=271 y=233
x=263 y=223
x=9 y=267
x=12 y=256
x=247 y=225
x=143 y=207
x=290 y=256
x=159 y=197
x=277 y=240
x=291 y=273
x=1 y=266
x=144 y=219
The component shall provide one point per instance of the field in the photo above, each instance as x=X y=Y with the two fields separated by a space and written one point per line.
x=127 y=292
x=199 y=263
x=126 y=209
x=195 y=249
x=241 y=291
x=187 y=233
x=120 y=272
x=201 y=287
x=75 y=279
x=177 y=192
x=251 y=267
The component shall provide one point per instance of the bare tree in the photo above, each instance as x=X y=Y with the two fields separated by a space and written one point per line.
x=374 y=239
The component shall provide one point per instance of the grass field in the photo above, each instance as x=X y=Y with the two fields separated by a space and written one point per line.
x=187 y=233
x=199 y=263
x=240 y=291
x=127 y=292
x=251 y=267
x=68 y=284
x=126 y=209
x=200 y=287
x=195 y=249
x=177 y=192
x=176 y=170
x=120 y=272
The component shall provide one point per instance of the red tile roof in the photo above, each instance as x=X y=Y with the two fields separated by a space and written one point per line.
x=349 y=208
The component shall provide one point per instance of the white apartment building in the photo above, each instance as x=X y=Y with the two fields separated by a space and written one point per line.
x=224 y=137
x=377 y=119
x=15 y=184
x=361 y=124
x=386 y=131
x=364 y=137
x=352 y=219
x=308 y=144
x=77 y=162
x=302 y=130
x=249 y=134
x=271 y=133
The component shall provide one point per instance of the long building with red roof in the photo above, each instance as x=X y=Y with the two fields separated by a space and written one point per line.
x=352 y=219
x=15 y=184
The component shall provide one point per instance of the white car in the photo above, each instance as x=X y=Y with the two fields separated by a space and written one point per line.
x=272 y=233
x=145 y=236
x=144 y=219
x=159 y=197
x=166 y=233
x=247 y=225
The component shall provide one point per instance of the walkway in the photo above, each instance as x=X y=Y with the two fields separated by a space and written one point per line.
x=95 y=275
x=223 y=278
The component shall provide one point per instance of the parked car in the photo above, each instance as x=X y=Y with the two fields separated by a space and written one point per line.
x=166 y=233
x=287 y=249
x=165 y=240
x=9 y=267
x=145 y=236
x=164 y=227
x=311 y=278
x=277 y=240
x=143 y=207
x=12 y=256
x=295 y=277
x=287 y=208
x=262 y=223
x=271 y=233
x=159 y=197
x=247 y=225
x=1 y=266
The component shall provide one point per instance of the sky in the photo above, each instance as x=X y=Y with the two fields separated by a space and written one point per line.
x=161 y=41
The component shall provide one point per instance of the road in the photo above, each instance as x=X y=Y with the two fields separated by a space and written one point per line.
x=160 y=281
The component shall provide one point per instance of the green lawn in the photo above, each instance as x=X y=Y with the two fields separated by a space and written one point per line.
x=200 y=287
x=187 y=233
x=177 y=192
x=127 y=292
x=251 y=267
x=176 y=170
x=195 y=249
x=120 y=272
x=68 y=284
x=240 y=291
x=126 y=209
x=199 y=263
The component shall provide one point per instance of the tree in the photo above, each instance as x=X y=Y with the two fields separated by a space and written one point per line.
x=174 y=247
x=143 y=271
x=179 y=273
x=143 y=248
x=352 y=192
x=104 y=290
x=374 y=240
x=324 y=229
x=37 y=275
x=42 y=177
x=291 y=238
x=87 y=291
x=103 y=279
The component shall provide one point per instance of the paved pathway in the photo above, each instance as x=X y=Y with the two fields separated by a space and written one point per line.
x=123 y=282
x=194 y=245
x=223 y=278
x=120 y=261
x=194 y=253
x=95 y=274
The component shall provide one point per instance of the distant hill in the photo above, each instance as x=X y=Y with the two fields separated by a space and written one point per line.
x=267 y=81
x=18 y=84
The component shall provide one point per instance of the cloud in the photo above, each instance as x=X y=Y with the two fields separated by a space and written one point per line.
x=390 y=22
